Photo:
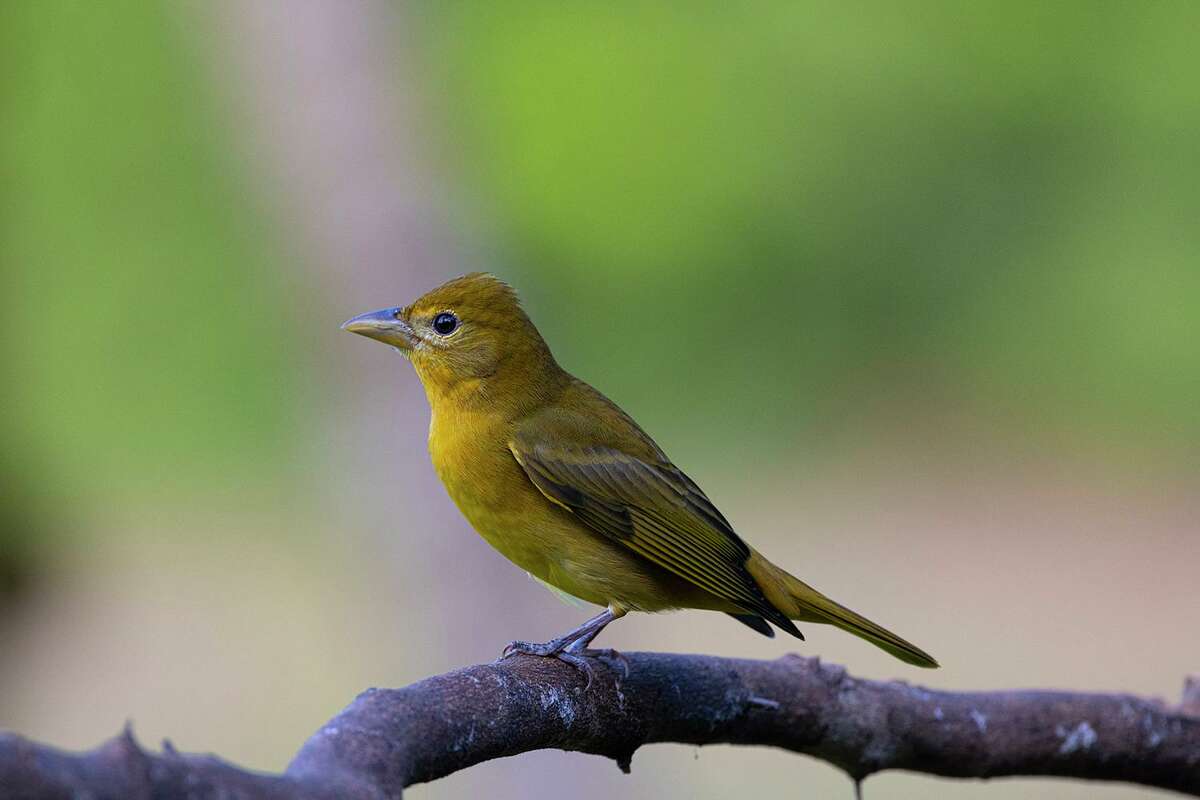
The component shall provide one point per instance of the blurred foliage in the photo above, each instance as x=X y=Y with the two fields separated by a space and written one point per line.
x=769 y=230
x=836 y=216
x=144 y=344
x=22 y=525
x=816 y=210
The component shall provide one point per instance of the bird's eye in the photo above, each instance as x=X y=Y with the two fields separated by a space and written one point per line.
x=445 y=323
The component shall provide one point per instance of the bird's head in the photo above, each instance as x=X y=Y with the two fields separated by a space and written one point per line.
x=465 y=333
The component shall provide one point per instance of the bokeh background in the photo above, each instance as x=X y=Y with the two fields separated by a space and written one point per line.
x=912 y=291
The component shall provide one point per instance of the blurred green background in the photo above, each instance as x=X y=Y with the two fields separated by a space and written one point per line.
x=912 y=291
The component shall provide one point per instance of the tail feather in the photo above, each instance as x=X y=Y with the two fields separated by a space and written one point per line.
x=802 y=602
x=818 y=605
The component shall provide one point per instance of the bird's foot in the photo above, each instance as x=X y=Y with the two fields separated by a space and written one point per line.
x=532 y=648
x=573 y=647
x=582 y=663
x=581 y=658
x=602 y=653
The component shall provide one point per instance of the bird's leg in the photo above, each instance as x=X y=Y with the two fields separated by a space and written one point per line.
x=579 y=647
x=573 y=646
x=586 y=632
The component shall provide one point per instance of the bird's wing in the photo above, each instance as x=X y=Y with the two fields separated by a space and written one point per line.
x=651 y=508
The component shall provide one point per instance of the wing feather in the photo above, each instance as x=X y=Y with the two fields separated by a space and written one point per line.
x=654 y=510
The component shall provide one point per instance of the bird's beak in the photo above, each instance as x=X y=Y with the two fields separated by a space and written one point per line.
x=385 y=326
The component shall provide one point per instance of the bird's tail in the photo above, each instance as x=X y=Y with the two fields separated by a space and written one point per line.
x=800 y=601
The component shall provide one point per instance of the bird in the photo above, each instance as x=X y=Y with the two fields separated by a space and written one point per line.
x=567 y=486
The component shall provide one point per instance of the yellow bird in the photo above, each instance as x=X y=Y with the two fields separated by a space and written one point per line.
x=567 y=486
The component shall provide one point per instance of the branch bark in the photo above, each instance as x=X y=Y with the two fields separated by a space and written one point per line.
x=388 y=739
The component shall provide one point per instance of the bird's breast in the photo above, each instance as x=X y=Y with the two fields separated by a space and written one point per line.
x=471 y=456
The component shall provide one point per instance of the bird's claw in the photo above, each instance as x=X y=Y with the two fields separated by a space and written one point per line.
x=581 y=663
x=530 y=649
x=581 y=658
x=603 y=653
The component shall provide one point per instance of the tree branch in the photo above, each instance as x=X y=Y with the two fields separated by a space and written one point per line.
x=388 y=739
